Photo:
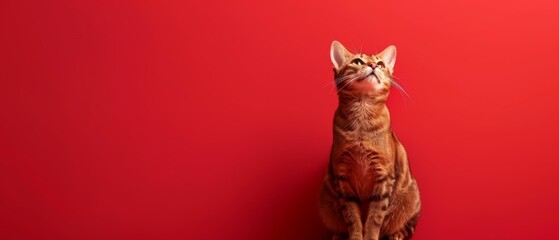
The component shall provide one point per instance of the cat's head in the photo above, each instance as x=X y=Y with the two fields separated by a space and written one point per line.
x=358 y=73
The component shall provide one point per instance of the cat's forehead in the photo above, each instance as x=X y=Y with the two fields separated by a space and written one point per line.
x=365 y=56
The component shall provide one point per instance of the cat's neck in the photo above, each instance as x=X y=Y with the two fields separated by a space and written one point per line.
x=362 y=113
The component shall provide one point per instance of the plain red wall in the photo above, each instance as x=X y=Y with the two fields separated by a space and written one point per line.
x=212 y=119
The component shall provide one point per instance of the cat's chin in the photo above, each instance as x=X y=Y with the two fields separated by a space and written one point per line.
x=368 y=84
x=373 y=79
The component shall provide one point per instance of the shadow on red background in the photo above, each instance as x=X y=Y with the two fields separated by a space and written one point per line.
x=209 y=119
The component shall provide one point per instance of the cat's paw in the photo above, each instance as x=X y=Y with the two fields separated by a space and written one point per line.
x=369 y=236
x=397 y=236
x=357 y=237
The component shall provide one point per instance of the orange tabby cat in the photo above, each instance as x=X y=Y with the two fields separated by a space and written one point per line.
x=368 y=191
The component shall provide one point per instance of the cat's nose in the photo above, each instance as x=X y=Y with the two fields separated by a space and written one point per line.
x=372 y=65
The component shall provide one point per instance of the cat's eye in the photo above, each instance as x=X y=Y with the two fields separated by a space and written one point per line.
x=380 y=64
x=357 y=62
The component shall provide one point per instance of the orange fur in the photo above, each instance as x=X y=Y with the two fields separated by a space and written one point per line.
x=368 y=191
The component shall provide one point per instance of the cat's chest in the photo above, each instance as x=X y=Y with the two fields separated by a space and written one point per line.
x=360 y=167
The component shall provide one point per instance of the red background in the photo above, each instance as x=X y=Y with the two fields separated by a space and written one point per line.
x=211 y=119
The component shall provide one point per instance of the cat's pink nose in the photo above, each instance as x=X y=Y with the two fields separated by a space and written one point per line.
x=372 y=65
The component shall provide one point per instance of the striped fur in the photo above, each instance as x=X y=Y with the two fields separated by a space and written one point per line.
x=368 y=191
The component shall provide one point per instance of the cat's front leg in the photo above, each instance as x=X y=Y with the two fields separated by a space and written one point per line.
x=378 y=207
x=352 y=217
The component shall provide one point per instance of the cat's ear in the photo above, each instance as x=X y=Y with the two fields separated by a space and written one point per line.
x=338 y=54
x=388 y=57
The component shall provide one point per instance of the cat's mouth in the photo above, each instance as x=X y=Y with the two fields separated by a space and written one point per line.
x=372 y=77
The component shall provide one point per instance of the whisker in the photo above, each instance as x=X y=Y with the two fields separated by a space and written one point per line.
x=341 y=79
x=396 y=77
x=334 y=85
x=328 y=84
x=353 y=46
x=347 y=83
x=336 y=81
x=400 y=88
x=361 y=49
x=396 y=84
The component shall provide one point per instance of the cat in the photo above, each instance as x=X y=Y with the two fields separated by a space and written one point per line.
x=368 y=192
